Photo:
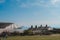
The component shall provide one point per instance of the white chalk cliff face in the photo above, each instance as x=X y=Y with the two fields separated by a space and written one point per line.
x=12 y=26
x=9 y=28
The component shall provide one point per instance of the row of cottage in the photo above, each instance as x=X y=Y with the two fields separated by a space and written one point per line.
x=40 y=29
x=11 y=27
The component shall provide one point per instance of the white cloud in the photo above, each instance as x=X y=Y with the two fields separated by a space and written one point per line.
x=23 y=5
x=50 y=3
x=54 y=1
x=2 y=1
x=31 y=4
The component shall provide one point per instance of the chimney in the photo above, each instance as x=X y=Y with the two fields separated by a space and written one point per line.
x=31 y=26
x=40 y=25
x=46 y=26
x=35 y=26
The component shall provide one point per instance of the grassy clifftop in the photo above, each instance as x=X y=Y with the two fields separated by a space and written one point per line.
x=50 y=37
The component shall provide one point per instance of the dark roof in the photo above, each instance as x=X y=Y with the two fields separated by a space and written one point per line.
x=3 y=25
x=39 y=28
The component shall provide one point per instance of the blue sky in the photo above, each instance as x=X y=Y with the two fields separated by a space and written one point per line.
x=30 y=12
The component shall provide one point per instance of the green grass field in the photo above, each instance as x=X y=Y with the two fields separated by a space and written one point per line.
x=33 y=37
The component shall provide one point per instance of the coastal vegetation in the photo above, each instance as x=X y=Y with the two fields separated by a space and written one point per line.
x=35 y=37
